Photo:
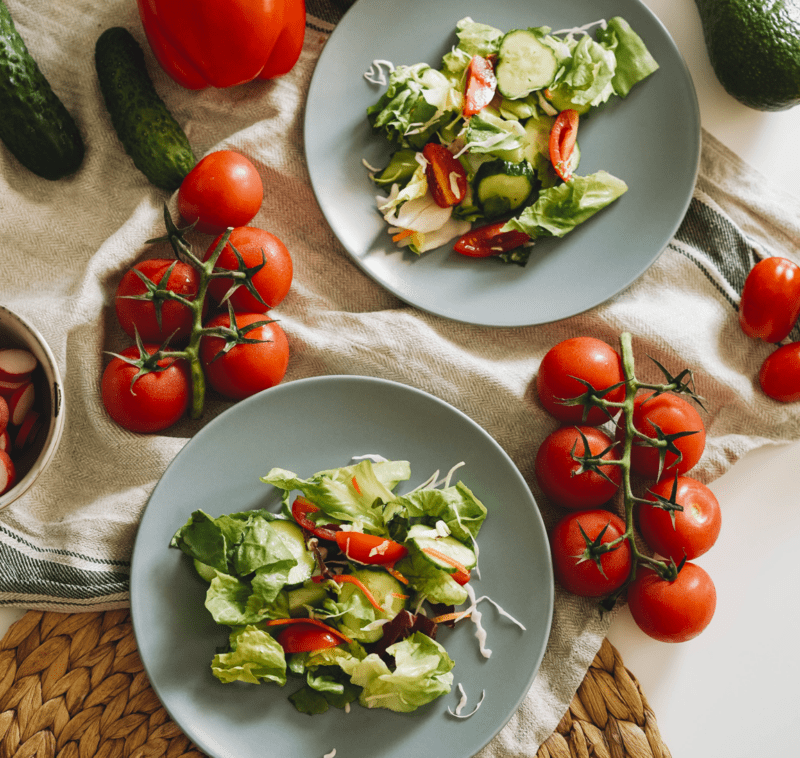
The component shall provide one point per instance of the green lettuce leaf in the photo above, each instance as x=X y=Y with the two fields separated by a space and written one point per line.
x=235 y=602
x=634 y=61
x=436 y=585
x=254 y=657
x=478 y=39
x=422 y=674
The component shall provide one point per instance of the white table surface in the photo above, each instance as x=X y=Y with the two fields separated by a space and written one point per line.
x=731 y=691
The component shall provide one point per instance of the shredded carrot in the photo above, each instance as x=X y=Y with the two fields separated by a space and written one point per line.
x=402 y=235
x=396 y=574
x=450 y=617
x=462 y=573
x=355 y=486
x=399 y=595
x=350 y=579
x=313 y=622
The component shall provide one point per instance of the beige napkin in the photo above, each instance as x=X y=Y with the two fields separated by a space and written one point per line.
x=64 y=246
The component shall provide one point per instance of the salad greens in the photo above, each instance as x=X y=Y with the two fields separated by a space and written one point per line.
x=539 y=74
x=341 y=592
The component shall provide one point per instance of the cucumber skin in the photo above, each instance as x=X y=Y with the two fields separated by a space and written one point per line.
x=35 y=125
x=150 y=135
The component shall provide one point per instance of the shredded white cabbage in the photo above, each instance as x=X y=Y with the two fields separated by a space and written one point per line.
x=375 y=73
x=332 y=754
x=462 y=702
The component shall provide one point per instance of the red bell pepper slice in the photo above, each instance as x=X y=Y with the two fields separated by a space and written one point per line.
x=447 y=178
x=489 y=240
x=562 y=142
x=300 y=508
x=481 y=85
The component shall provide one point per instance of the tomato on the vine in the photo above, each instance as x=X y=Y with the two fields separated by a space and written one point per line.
x=770 y=301
x=564 y=369
x=673 y=611
x=246 y=368
x=680 y=534
x=272 y=281
x=224 y=189
x=672 y=415
x=779 y=375
x=152 y=403
x=557 y=470
x=576 y=571
x=140 y=315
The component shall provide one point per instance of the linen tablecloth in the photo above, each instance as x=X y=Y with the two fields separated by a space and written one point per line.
x=64 y=246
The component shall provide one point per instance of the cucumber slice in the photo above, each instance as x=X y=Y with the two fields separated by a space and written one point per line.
x=292 y=536
x=425 y=537
x=309 y=593
x=524 y=64
x=385 y=589
x=501 y=187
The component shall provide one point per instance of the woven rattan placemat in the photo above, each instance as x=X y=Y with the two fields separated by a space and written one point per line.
x=72 y=685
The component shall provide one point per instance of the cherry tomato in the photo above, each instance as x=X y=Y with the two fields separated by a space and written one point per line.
x=272 y=282
x=673 y=611
x=156 y=400
x=780 y=373
x=447 y=178
x=369 y=548
x=140 y=315
x=568 y=546
x=302 y=638
x=480 y=87
x=568 y=362
x=563 y=136
x=224 y=189
x=289 y=44
x=672 y=414
x=695 y=529
x=489 y=240
x=770 y=301
x=246 y=368
x=557 y=471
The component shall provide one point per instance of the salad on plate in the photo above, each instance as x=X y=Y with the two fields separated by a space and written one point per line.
x=344 y=590
x=485 y=147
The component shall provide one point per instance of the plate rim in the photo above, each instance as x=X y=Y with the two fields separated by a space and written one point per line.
x=298 y=384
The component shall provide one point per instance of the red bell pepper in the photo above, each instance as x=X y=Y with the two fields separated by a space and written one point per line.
x=563 y=136
x=222 y=43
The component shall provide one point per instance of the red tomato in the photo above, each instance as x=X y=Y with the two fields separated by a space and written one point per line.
x=780 y=373
x=246 y=368
x=302 y=638
x=563 y=136
x=370 y=549
x=447 y=178
x=695 y=528
x=300 y=510
x=156 y=400
x=574 y=359
x=272 y=282
x=673 y=611
x=582 y=576
x=770 y=301
x=557 y=471
x=140 y=315
x=672 y=414
x=222 y=190
x=489 y=240
x=290 y=42
x=480 y=87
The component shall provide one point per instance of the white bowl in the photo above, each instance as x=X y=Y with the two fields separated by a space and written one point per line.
x=16 y=331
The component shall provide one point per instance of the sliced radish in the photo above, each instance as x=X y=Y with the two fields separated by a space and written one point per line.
x=28 y=429
x=5 y=440
x=8 y=475
x=7 y=389
x=21 y=402
x=16 y=363
x=5 y=414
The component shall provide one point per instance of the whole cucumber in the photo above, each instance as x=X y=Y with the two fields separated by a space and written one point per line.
x=34 y=124
x=150 y=135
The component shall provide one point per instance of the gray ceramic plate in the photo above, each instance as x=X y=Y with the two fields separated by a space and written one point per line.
x=651 y=140
x=307 y=426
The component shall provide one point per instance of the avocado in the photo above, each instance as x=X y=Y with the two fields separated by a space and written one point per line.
x=754 y=49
